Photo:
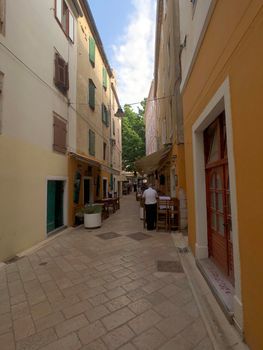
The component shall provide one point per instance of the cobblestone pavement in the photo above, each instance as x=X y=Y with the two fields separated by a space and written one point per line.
x=82 y=291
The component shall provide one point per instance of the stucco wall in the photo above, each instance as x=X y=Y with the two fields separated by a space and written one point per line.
x=232 y=47
x=26 y=140
x=88 y=118
x=23 y=192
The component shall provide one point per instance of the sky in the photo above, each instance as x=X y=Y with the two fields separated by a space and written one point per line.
x=127 y=30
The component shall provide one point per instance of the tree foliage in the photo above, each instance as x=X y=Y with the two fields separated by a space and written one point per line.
x=133 y=136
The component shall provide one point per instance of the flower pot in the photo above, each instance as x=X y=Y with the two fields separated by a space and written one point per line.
x=92 y=220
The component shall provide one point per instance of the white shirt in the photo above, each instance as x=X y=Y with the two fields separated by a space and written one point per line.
x=150 y=196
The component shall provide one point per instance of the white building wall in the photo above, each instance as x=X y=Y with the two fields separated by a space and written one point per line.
x=32 y=35
x=150 y=123
x=194 y=19
x=28 y=100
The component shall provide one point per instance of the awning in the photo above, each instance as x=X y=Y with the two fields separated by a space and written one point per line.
x=84 y=159
x=153 y=161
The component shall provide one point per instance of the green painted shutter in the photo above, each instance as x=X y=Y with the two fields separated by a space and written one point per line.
x=91 y=143
x=113 y=127
x=102 y=113
x=92 y=51
x=104 y=78
x=108 y=118
x=91 y=94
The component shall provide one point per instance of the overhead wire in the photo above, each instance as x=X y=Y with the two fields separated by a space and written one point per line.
x=92 y=125
x=70 y=104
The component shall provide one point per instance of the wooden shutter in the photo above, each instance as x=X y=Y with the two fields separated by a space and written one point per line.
x=58 y=9
x=91 y=94
x=92 y=51
x=71 y=27
x=66 y=77
x=60 y=135
x=61 y=78
x=91 y=143
x=113 y=127
x=104 y=78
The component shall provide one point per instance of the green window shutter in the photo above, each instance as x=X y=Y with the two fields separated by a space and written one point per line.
x=105 y=115
x=92 y=51
x=91 y=94
x=91 y=143
x=104 y=78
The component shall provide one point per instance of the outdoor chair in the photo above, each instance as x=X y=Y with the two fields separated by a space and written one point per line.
x=162 y=221
x=174 y=215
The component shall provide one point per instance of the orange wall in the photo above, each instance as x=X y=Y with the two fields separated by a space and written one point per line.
x=233 y=47
x=82 y=167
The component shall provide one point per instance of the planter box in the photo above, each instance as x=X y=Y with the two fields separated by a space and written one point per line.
x=92 y=220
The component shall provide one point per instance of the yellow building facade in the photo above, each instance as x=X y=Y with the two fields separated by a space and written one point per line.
x=95 y=166
x=222 y=86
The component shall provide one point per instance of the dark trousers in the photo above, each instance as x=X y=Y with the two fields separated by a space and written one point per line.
x=151 y=213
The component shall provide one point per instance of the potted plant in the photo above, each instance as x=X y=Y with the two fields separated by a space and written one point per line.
x=92 y=216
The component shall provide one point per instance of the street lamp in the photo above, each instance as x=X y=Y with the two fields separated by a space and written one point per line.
x=119 y=113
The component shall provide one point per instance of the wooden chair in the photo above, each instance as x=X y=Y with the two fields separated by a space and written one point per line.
x=105 y=211
x=174 y=215
x=162 y=221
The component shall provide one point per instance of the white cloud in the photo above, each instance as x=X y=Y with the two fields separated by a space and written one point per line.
x=134 y=55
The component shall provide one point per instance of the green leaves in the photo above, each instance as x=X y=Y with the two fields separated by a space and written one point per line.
x=133 y=136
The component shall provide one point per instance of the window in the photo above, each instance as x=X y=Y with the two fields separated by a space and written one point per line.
x=91 y=143
x=60 y=134
x=61 y=79
x=104 y=150
x=92 y=51
x=2 y=16
x=104 y=115
x=104 y=78
x=1 y=98
x=113 y=127
x=65 y=18
x=92 y=88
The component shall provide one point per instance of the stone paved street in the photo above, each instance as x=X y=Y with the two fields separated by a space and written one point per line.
x=82 y=291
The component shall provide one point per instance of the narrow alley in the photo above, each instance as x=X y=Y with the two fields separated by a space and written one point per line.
x=101 y=289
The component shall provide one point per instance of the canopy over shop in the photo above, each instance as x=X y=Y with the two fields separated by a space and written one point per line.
x=156 y=167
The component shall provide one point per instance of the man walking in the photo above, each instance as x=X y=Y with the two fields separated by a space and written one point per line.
x=150 y=196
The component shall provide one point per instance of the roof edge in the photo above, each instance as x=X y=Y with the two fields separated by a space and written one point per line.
x=88 y=14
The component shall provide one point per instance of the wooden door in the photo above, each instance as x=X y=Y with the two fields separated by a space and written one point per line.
x=218 y=197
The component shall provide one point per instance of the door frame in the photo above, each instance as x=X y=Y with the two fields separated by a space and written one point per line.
x=65 y=200
x=221 y=101
x=91 y=192
x=107 y=186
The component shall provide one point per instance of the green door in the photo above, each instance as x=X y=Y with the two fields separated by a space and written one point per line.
x=55 y=191
x=51 y=201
